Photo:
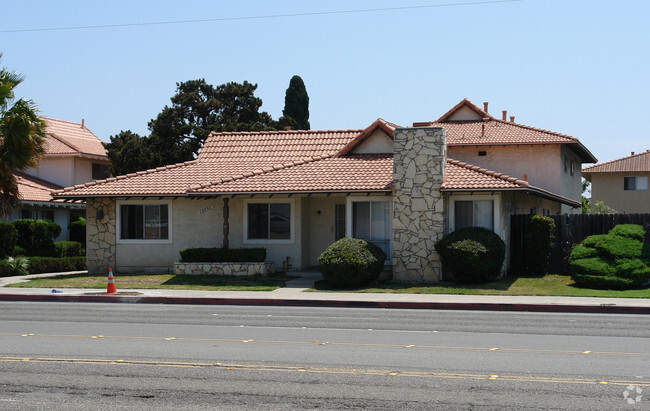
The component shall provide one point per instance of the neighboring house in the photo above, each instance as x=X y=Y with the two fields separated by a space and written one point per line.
x=621 y=184
x=296 y=192
x=73 y=155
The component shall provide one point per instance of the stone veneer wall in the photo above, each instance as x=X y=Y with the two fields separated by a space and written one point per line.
x=242 y=269
x=419 y=161
x=100 y=235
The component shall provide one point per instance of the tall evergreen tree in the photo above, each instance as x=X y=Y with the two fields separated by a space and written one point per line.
x=22 y=138
x=296 y=104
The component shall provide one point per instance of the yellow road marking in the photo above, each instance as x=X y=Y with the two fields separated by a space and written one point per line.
x=376 y=372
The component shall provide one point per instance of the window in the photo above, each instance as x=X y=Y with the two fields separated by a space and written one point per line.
x=482 y=153
x=339 y=221
x=635 y=183
x=37 y=214
x=269 y=221
x=572 y=167
x=100 y=171
x=144 y=222
x=371 y=221
x=474 y=213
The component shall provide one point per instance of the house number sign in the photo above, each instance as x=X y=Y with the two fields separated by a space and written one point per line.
x=205 y=210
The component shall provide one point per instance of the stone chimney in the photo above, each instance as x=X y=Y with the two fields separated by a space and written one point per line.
x=419 y=161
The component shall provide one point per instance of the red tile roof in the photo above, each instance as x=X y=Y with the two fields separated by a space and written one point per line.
x=388 y=128
x=32 y=189
x=67 y=138
x=634 y=163
x=355 y=172
x=490 y=131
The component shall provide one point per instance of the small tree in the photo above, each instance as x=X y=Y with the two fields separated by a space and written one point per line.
x=296 y=104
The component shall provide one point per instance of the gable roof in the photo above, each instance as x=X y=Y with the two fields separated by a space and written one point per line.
x=630 y=164
x=222 y=157
x=65 y=138
x=35 y=190
x=380 y=123
x=490 y=131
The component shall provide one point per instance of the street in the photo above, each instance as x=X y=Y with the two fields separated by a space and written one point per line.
x=101 y=356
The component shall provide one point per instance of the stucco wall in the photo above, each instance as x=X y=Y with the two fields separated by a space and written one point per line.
x=377 y=142
x=608 y=187
x=57 y=170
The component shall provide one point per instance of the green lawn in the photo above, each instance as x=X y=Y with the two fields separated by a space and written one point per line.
x=550 y=284
x=162 y=281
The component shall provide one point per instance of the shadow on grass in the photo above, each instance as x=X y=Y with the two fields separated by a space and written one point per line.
x=228 y=280
x=498 y=285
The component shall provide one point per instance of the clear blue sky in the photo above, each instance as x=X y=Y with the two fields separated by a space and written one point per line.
x=578 y=67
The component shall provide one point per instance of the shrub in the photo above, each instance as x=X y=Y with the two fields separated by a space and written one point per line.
x=580 y=251
x=472 y=254
x=37 y=236
x=223 y=255
x=538 y=243
x=351 y=262
x=78 y=231
x=8 y=236
x=54 y=265
x=13 y=266
x=18 y=251
x=6 y=269
x=633 y=231
x=617 y=260
x=68 y=249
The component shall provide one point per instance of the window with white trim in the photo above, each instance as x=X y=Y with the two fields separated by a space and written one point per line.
x=474 y=213
x=268 y=221
x=144 y=222
x=635 y=183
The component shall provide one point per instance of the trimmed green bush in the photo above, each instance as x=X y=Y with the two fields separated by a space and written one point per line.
x=633 y=231
x=472 y=254
x=351 y=262
x=54 y=265
x=8 y=236
x=6 y=269
x=616 y=261
x=538 y=243
x=78 y=231
x=37 y=236
x=581 y=251
x=223 y=255
x=19 y=251
x=68 y=249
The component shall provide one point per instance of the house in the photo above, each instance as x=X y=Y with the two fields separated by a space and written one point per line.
x=73 y=155
x=296 y=192
x=621 y=184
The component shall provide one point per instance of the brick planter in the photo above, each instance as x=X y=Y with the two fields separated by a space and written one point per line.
x=242 y=269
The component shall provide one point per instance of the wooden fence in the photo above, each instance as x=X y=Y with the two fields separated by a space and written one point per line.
x=570 y=229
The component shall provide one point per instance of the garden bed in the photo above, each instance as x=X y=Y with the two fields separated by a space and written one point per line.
x=239 y=269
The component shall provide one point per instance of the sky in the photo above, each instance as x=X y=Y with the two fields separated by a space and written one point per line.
x=578 y=67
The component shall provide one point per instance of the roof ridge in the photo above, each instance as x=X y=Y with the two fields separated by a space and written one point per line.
x=543 y=130
x=285 y=131
x=31 y=181
x=259 y=171
x=617 y=160
x=126 y=176
x=63 y=141
x=63 y=121
x=491 y=173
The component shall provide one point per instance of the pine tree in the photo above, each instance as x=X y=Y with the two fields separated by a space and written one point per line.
x=296 y=104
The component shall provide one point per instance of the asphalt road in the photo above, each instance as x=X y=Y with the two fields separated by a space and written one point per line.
x=101 y=356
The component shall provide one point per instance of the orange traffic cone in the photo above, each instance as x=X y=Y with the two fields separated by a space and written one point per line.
x=111 y=289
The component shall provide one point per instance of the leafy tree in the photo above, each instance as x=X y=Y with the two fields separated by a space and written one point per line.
x=22 y=137
x=585 y=201
x=296 y=104
x=179 y=130
x=197 y=109
x=130 y=152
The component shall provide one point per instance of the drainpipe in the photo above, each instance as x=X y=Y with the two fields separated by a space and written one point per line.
x=226 y=225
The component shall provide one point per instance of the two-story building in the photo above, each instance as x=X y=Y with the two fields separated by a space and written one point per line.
x=73 y=155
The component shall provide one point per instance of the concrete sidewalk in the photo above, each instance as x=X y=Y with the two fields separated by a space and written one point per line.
x=294 y=295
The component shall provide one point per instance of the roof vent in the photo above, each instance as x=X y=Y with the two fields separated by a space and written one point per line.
x=485 y=104
x=287 y=128
x=505 y=115
x=632 y=153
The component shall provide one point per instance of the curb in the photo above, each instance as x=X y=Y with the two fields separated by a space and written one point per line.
x=559 y=308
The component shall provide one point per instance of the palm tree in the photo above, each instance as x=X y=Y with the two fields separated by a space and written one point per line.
x=22 y=137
